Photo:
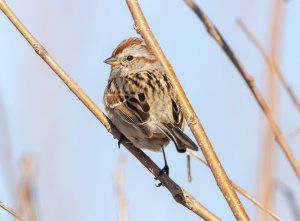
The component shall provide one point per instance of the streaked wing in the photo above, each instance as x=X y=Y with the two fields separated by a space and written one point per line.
x=128 y=102
x=177 y=114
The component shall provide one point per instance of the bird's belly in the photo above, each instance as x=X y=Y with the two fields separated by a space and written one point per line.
x=138 y=138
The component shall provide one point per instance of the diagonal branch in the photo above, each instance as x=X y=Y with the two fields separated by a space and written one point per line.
x=219 y=173
x=273 y=66
x=212 y=30
x=241 y=191
x=179 y=194
x=11 y=211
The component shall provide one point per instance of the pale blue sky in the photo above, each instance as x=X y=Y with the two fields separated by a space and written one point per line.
x=75 y=158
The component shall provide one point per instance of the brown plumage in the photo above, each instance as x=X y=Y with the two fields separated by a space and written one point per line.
x=140 y=100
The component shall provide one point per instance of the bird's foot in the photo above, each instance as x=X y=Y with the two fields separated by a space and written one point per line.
x=163 y=170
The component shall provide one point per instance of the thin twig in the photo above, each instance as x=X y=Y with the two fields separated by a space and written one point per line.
x=242 y=191
x=273 y=66
x=179 y=194
x=142 y=27
x=212 y=30
x=122 y=205
x=11 y=211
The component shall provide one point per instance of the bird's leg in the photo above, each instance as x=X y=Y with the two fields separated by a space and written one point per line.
x=165 y=169
x=121 y=138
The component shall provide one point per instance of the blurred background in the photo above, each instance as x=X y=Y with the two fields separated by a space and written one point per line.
x=57 y=162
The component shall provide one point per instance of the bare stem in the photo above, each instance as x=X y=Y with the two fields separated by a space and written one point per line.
x=179 y=194
x=11 y=211
x=268 y=153
x=26 y=195
x=273 y=66
x=242 y=191
x=212 y=30
x=219 y=173
x=119 y=174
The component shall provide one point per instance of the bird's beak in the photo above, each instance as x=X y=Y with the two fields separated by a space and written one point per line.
x=112 y=61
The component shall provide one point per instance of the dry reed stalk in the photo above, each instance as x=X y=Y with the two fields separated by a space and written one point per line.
x=268 y=159
x=179 y=194
x=122 y=205
x=242 y=191
x=142 y=27
x=272 y=64
x=215 y=34
x=11 y=211
x=25 y=190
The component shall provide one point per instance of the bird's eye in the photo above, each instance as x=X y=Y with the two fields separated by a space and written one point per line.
x=129 y=57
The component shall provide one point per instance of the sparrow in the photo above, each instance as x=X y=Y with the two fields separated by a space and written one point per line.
x=141 y=102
